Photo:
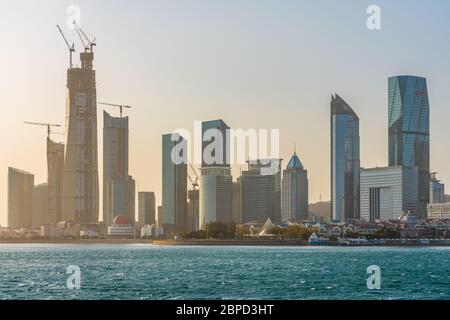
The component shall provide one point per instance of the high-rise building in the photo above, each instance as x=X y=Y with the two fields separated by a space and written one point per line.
x=193 y=210
x=387 y=193
x=40 y=205
x=215 y=144
x=236 y=204
x=215 y=180
x=437 y=190
x=295 y=191
x=345 y=161
x=122 y=198
x=257 y=196
x=115 y=160
x=20 y=198
x=55 y=178
x=146 y=208
x=259 y=193
x=159 y=216
x=80 y=189
x=409 y=135
x=174 y=184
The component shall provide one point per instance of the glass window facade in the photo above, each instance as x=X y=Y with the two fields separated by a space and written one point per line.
x=409 y=136
x=345 y=161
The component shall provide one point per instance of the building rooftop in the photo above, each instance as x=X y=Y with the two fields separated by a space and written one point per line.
x=295 y=162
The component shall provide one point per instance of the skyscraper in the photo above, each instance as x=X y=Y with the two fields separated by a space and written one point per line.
x=122 y=198
x=146 y=208
x=259 y=193
x=437 y=190
x=40 y=205
x=55 y=178
x=236 y=202
x=115 y=160
x=193 y=210
x=345 y=161
x=80 y=190
x=409 y=135
x=174 y=185
x=20 y=198
x=159 y=216
x=295 y=191
x=215 y=180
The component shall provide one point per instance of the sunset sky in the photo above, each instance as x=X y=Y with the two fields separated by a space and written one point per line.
x=254 y=64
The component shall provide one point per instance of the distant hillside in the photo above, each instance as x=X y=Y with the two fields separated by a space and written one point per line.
x=320 y=209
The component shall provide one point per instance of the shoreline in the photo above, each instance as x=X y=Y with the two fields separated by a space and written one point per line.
x=273 y=243
x=71 y=241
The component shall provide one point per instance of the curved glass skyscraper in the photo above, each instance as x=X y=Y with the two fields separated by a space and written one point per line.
x=409 y=135
x=345 y=161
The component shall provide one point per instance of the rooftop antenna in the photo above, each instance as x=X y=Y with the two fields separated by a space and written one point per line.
x=71 y=48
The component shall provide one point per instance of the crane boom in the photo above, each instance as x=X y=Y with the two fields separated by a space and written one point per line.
x=48 y=125
x=193 y=169
x=86 y=48
x=71 y=48
x=116 y=106
x=91 y=42
x=194 y=183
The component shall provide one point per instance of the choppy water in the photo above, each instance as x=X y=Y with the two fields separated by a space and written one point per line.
x=38 y=271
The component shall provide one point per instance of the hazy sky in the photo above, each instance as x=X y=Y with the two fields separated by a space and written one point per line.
x=255 y=64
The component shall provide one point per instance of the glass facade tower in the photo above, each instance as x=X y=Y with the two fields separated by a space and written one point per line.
x=216 y=182
x=174 y=184
x=409 y=135
x=345 y=161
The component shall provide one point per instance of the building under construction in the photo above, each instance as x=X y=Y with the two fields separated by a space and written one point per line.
x=81 y=185
x=55 y=174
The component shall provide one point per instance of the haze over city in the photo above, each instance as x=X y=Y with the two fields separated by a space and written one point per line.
x=270 y=65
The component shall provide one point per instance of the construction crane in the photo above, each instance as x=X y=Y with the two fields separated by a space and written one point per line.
x=116 y=106
x=71 y=48
x=86 y=48
x=82 y=34
x=193 y=182
x=48 y=125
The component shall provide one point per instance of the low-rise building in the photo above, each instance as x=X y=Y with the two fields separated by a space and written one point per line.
x=62 y=229
x=388 y=192
x=151 y=231
x=438 y=210
x=121 y=228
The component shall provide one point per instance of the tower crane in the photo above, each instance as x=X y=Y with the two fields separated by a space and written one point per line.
x=193 y=182
x=48 y=125
x=116 y=106
x=82 y=34
x=71 y=48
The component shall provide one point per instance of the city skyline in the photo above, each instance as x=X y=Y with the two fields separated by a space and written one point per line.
x=146 y=167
